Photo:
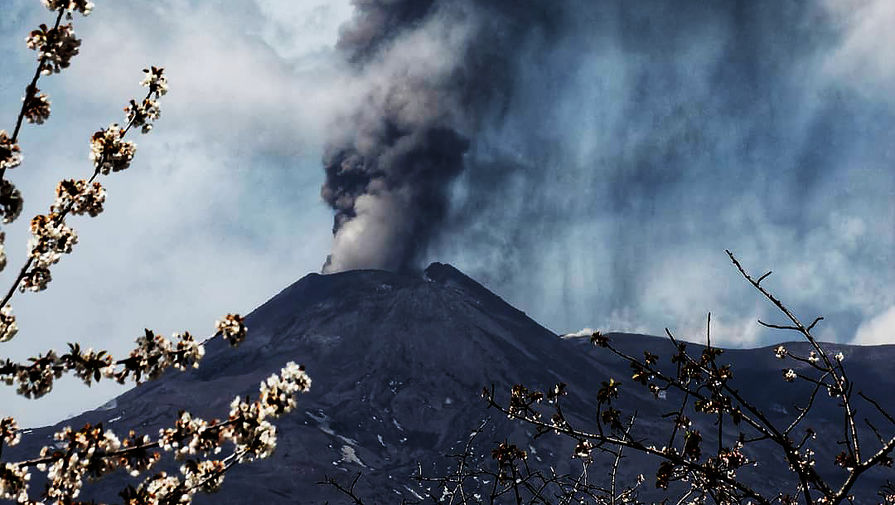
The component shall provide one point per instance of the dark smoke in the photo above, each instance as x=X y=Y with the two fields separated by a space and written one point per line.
x=377 y=22
x=591 y=160
x=431 y=70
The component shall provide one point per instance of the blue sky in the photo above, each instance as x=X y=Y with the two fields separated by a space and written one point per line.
x=220 y=209
x=634 y=147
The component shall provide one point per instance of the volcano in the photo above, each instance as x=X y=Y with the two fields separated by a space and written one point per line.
x=398 y=362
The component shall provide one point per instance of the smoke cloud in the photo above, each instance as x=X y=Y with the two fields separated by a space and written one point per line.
x=591 y=161
x=430 y=71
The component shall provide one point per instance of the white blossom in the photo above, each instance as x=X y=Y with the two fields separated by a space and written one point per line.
x=8 y=327
x=10 y=201
x=82 y=6
x=142 y=114
x=205 y=475
x=780 y=352
x=79 y=197
x=155 y=80
x=55 y=47
x=188 y=352
x=9 y=432
x=10 y=153
x=37 y=107
x=36 y=279
x=50 y=239
x=14 y=482
x=109 y=152
x=232 y=328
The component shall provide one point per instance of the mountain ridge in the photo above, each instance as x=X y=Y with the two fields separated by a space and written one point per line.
x=398 y=361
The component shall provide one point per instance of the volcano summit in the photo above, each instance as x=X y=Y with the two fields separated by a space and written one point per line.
x=398 y=362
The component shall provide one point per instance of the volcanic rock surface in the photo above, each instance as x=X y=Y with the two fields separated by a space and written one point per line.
x=398 y=362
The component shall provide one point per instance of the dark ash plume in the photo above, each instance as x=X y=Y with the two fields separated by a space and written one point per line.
x=430 y=70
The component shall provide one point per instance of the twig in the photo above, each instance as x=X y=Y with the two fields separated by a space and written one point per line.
x=30 y=89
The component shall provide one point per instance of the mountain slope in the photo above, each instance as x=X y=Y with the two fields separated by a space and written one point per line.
x=398 y=362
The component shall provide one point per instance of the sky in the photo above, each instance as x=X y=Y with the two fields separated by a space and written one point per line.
x=611 y=153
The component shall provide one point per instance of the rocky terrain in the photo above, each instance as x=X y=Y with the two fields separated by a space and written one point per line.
x=398 y=363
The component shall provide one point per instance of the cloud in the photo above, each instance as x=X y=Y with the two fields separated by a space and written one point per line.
x=583 y=332
x=865 y=57
x=618 y=175
x=221 y=207
x=629 y=149
x=877 y=330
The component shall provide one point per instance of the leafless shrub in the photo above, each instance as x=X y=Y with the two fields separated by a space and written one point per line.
x=689 y=469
